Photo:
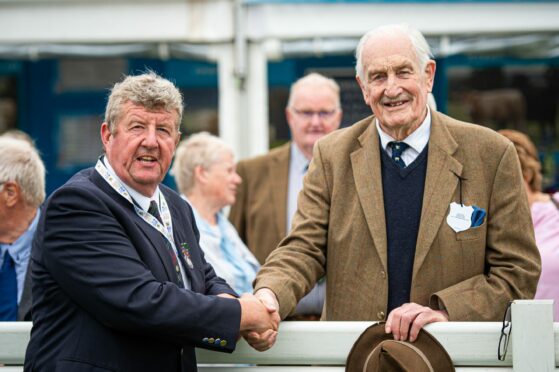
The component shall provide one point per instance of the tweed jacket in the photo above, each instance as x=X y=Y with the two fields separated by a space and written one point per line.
x=340 y=228
x=260 y=211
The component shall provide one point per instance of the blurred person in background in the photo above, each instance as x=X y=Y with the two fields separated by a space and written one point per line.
x=545 y=216
x=204 y=171
x=22 y=191
x=267 y=199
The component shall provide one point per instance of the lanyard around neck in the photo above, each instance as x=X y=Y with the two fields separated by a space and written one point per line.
x=166 y=228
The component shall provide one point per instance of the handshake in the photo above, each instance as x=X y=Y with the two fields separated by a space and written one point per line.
x=260 y=319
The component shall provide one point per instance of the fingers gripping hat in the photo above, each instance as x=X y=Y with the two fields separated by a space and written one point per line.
x=376 y=351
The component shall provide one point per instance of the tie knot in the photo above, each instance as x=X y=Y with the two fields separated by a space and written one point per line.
x=398 y=147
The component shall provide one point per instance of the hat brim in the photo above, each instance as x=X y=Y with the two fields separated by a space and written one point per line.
x=374 y=335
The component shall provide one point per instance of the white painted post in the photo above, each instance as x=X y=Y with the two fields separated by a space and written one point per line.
x=230 y=99
x=256 y=128
x=533 y=344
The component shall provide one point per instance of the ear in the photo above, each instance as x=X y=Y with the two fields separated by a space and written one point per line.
x=105 y=134
x=289 y=116
x=11 y=193
x=363 y=89
x=430 y=69
x=200 y=174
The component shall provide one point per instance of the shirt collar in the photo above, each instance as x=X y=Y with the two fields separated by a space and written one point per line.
x=417 y=140
x=142 y=201
x=298 y=159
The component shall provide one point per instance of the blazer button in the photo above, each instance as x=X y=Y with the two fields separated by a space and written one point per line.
x=205 y=340
x=223 y=343
x=380 y=315
x=211 y=340
x=217 y=341
x=383 y=274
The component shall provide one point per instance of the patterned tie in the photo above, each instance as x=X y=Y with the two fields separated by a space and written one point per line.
x=154 y=211
x=8 y=289
x=397 y=149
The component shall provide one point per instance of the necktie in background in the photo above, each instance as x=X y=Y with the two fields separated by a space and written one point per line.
x=8 y=289
x=397 y=149
x=154 y=211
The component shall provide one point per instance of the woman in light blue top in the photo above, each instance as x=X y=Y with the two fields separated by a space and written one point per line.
x=204 y=171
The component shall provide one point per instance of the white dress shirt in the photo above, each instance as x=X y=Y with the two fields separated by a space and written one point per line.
x=298 y=165
x=416 y=141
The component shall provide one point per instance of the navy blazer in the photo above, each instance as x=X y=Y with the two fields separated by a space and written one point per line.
x=105 y=295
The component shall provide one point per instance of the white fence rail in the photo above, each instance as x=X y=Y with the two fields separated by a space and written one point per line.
x=324 y=346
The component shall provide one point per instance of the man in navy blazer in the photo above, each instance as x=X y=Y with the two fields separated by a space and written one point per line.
x=119 y=281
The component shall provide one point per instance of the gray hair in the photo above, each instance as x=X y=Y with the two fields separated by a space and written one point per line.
x=422 y=49
x=20 y=163
x=314 y=79
x=201 y=149
x=149 y=90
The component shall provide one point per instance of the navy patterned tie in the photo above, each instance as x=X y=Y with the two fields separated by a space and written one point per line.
x=397 y=149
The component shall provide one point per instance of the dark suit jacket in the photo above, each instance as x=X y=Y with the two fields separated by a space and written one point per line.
x=104 y=293
x=260 y=211
x=340 y=228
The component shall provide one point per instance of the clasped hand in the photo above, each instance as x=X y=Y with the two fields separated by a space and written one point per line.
x=259 y=320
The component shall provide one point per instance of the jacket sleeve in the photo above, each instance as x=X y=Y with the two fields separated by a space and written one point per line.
x=512 y=260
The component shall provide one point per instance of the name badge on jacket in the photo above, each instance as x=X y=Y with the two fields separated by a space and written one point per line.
x=462 y=217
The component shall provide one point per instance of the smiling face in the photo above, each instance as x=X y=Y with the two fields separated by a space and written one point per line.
x=142 y=146
x=395 y=86
x=220 y=181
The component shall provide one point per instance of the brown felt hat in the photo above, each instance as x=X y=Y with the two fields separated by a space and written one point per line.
x=376 y=351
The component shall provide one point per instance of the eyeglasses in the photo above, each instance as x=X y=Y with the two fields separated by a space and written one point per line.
x=309 y=114
x=505 y=334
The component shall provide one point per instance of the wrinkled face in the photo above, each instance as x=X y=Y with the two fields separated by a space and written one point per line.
x=395 y=86
x=221 y=180
x=142 y=146
x=313 y=114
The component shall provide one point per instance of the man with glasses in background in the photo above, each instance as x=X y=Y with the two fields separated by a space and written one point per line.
x=267 y=198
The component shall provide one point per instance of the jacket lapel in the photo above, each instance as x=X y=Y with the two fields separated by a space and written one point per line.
x=278 y=175
x=441 y=181
x=155 y=237
x=367 y=175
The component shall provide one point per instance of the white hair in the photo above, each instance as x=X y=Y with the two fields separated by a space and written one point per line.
x=201 y=149
x=422 y=49
x=20 y=163
x=314 y=79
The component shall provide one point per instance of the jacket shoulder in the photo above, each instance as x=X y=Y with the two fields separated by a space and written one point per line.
x=346 y=138
x=473 y=135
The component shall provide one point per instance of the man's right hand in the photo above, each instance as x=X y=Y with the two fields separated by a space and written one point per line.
x=259 y=321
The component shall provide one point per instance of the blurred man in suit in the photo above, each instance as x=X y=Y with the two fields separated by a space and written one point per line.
x=415 y=217
x=267 y=197
x=119 y=280
x=22 y=190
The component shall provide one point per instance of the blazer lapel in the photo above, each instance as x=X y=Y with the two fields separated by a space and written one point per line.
x=154 y=236
x=278 y=175
x=366 y=166
x=440 y=184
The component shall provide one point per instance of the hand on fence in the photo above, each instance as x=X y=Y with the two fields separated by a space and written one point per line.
x=408 y=319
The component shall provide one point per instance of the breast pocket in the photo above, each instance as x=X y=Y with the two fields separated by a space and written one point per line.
x=472 y=233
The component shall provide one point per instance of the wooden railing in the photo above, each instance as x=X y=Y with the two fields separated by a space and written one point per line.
x=324 y=346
